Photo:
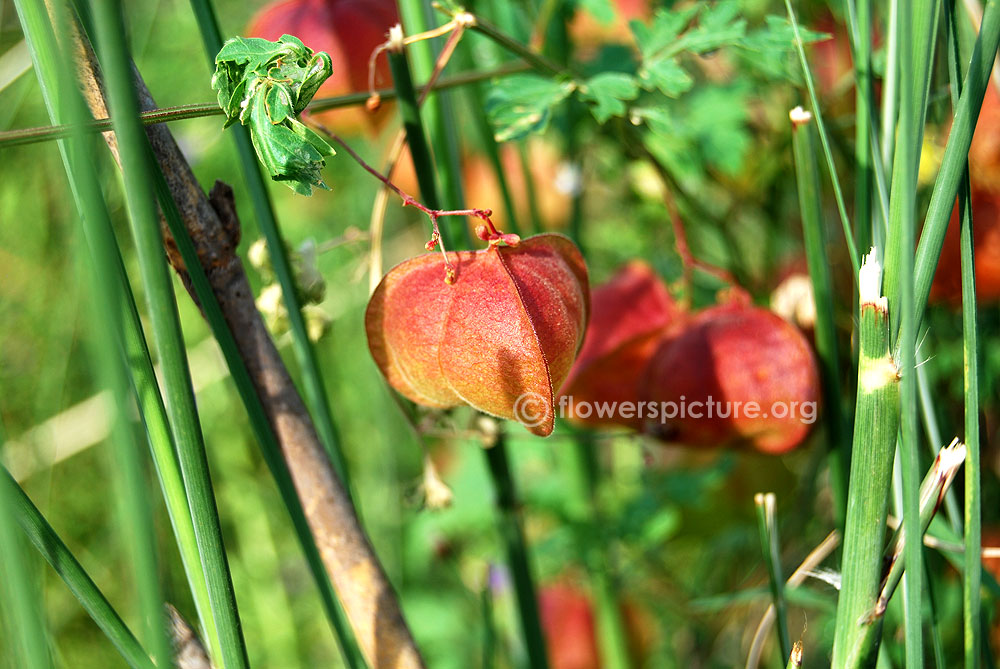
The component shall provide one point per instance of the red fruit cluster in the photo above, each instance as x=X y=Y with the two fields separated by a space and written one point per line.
x=501 y=336
x=348 y=30
x=733 y=354
x=631 y=315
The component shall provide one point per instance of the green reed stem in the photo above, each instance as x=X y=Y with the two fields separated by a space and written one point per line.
x=956 y=151
x=582 y=470
x=512 y=534
x=768 y=527
x=26 y=641
x=875 y=425
x=141 y=203
x=810 y=206
x=55 y=552
x=852 y=248
x=438 y=114
x=972 y=570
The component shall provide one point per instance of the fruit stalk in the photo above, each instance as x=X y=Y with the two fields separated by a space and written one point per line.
x=875 y=427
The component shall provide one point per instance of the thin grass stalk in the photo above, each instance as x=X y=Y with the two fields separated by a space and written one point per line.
x=512 y=535
x=955 y=154
x=312 y=379
x=902 y=232
x=890 y=89
x=298 y=463
x=135 y=513
x=141 y=204
x=972 y=571
x=51 y=547
x=420 y=151
x=260 y=425
x=952 y=511
x=100 y=237
x=852 y=248
x=860 y=12
x=438 y=114
x=875 y=426
x=814 y=239
x=153 y=414
x=937 y=644
x=489 y=633
x=768 y=527
x=915 y=58
x=27 y=638
x=583 y=473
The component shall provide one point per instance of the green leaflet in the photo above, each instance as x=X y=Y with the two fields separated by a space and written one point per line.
x=265 y=86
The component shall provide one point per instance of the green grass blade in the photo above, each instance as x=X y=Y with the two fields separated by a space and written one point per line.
x=768 y=527
x=181 y=408
x=416 y=137
x=953 y=162
x=582 y=471
x=852 y=248
x=972 y=571
x=810 y=206
x=438 y=114
x=512 y=536
x=27 y=637
x=899 y=291
x=860 y=13
x=55 y=552
x=312 y=379
x=875 y=426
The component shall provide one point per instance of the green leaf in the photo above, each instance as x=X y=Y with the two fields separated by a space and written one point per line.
x=265 y=85
x=609 y=91
x=777 y=35
x=666 y=76
x=521 y=105
x=667 y=25
x=602 y=10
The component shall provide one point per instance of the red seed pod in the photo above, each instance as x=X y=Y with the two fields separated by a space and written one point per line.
x=630 y=316
x=947 y=286
x=348 y=30
x=501 y=337
x=738 y=375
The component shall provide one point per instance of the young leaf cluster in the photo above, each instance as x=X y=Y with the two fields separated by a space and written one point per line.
x=265 y=86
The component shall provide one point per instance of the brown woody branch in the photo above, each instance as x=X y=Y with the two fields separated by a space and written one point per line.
x=364 y=590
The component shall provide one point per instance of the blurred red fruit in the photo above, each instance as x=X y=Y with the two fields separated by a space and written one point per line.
x=568 y=625
x=947 y=286
x=549 y=176
x=630 y=316
x=348 y=30
x=570 y=634
x=736 y=354
x=587 y=31
x=501 y=338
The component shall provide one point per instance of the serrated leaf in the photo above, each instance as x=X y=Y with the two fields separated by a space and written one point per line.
x=663 y=31
x=521 y=105
x=609 y=91
x=265 y=85
x=778 y=35
x=666 y=76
